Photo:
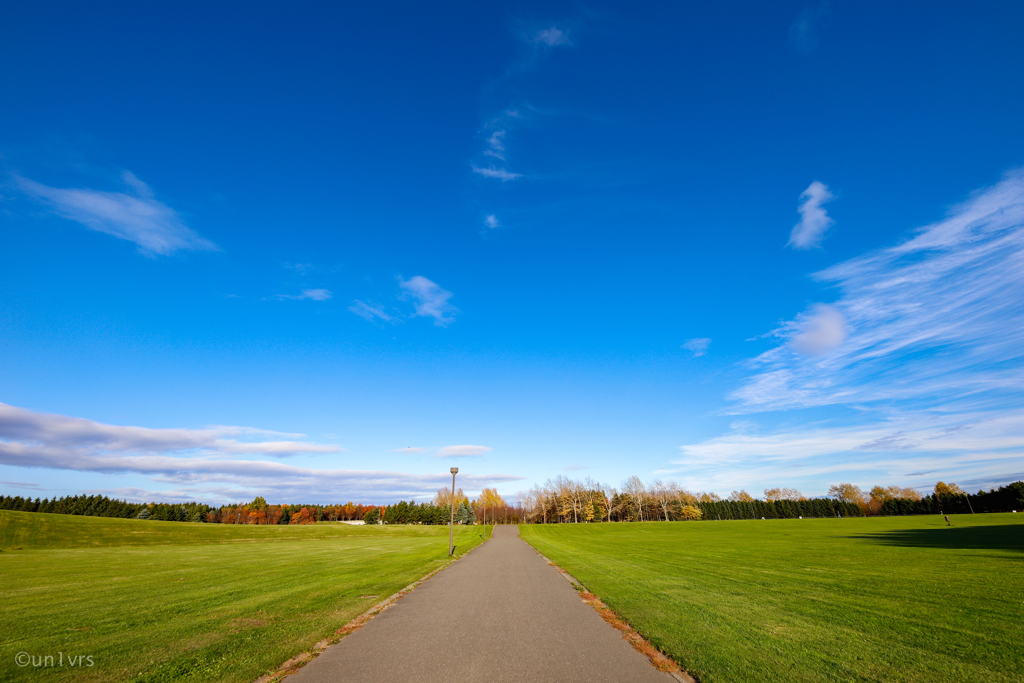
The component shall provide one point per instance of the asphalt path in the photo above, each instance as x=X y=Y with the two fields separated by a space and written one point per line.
x=500 y=613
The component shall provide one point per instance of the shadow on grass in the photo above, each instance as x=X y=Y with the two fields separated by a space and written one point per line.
x=1000 y=537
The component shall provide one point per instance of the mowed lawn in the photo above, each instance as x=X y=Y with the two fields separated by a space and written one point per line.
x=878 y=599
x=171 y=601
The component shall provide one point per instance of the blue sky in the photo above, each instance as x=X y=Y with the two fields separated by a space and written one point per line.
x=324 y=253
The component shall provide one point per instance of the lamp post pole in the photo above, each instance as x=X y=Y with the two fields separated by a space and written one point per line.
x=451 y=526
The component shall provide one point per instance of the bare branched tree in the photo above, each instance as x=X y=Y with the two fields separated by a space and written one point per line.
x=637 y=492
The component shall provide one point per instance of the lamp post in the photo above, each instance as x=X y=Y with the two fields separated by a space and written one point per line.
x=451 y=526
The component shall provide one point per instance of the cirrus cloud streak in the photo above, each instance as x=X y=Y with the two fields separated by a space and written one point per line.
x=137 y=217
x=63 y=432
x=935 y=317
x=916 y=369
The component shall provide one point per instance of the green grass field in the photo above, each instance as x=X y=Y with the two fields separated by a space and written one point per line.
x=878 y=599
x=169 y=601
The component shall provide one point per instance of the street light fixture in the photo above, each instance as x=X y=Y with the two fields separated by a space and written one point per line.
x=451 y=526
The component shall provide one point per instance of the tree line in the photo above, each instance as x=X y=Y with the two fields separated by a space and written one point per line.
x=259 y=512
x=559 y=501
x=564 y=500
x=944 y=499
x=256 y=512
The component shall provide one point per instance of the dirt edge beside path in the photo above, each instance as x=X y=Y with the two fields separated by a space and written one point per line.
x=659 y=660
x=303 y=658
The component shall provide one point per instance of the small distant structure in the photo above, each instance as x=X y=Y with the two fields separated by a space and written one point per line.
x=354 y=522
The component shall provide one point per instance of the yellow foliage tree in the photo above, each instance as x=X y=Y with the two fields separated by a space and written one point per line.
x=782 y=494
x=566 y=509
x=884 y=493
x=490 y=501
x=689 y=512
x=848 y=493
x=490 y=498
x=444 y=498
x=879 y=494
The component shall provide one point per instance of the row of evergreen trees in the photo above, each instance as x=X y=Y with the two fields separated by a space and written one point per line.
x=101 y=506
x=1009 y=497
x=425 y=513
x=778 y=509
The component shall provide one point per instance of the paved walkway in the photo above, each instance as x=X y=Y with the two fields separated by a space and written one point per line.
x=498 y=614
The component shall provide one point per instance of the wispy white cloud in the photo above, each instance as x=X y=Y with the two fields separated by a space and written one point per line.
x=313 y=294
x=370 y=311
x=59 y=431
x=464 y=451
x=491 y=221
x=301 y=268
x=499 y=173
x=902 y=448
x=137 y=217
x=496 y=145
x=429 y=299
x=997 y=435
x=316 y=294
x=698 y=346
x=23 y=485
x=200 y=462
x=814 y=221
x=551 y=37
x=140 y=188
x=540 y=42
x=818 y=332
x=744 y=426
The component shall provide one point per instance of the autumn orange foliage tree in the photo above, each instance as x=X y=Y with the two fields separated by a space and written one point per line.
x=304 y=516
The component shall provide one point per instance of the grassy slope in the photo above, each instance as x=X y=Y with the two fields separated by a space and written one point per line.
x=880 y=599
x=162 y=601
